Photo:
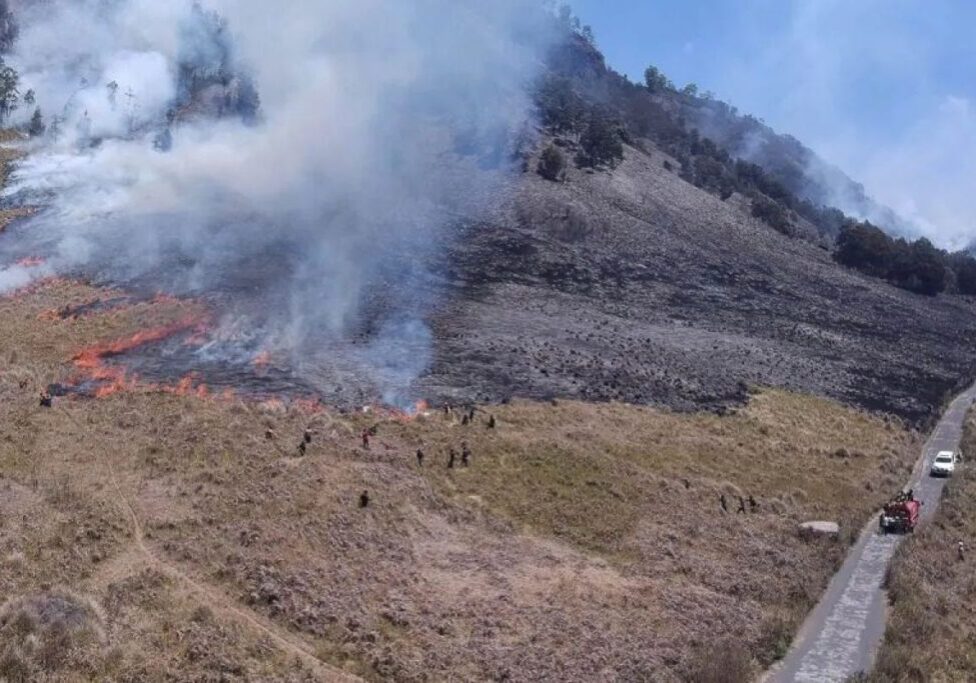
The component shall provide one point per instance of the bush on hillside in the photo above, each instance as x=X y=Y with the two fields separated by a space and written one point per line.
x=772 y=214
x=600 y=144
x=918 y=267
x=552 y=164
x=561 y=109
x=866 y=248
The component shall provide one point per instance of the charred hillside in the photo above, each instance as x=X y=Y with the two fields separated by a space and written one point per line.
x=634 y=280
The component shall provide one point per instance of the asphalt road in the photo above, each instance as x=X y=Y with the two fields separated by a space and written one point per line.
x=840 y=638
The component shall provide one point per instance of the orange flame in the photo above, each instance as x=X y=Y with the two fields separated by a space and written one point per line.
x=91 y=361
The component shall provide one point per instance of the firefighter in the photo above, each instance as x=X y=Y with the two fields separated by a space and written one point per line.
x=961 y=548
x=742 y=506
x=451 y=459
x=366 y=438
x=753 y=505
x=420 y=458
x=308 y=436
x=471 y=414
x=723 y=503
x=491 y=422
x=364 y=499
x=301 y=448
x=465 y=454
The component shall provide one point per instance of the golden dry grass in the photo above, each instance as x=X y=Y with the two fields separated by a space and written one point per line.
x=931 y=634
x=584 y=542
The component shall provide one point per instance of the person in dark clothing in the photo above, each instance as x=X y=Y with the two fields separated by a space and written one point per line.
x=491 y=422
x=451 y=459
x=364 y=499
x=308 y=436
x=723 y=503
x=366 y=439
x=46 y=400
x=301 y=448
x=465 y=454
x=742 y=506
x=420 y=458
x=471 y=415
x=269 y=434
x=753 y=505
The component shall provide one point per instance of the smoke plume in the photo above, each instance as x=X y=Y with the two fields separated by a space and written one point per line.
x=300 y=161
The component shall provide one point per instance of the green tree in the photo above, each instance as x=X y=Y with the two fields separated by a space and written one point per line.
x=866 y=248
x=600 y=143
x=919 y=267
x=29 y=98
x=691 y=90
x=36 y=127
x=656 y=81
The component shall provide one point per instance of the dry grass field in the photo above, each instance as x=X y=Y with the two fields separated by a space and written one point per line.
x=156 y=536
x=931 y=634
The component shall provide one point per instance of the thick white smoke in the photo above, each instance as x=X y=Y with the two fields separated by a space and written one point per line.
x=381 y=121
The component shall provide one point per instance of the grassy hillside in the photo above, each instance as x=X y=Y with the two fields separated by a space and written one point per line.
x=932 y=630
x=153 y=536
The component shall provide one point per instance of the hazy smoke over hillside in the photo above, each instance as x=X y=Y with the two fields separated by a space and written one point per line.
x=380 y=121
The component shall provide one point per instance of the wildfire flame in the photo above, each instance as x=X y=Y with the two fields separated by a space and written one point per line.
x=110 y=379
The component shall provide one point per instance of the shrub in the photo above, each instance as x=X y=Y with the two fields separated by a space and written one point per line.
x=725 y=662
x=772 y=214
x=552 y=164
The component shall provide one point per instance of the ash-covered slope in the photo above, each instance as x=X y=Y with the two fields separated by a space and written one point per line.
x=635 y=285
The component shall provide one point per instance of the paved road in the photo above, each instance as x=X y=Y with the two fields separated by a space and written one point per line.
x=841 y=636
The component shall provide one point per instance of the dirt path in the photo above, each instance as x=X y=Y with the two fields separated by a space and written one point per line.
x=841 y=636
x=214 y=599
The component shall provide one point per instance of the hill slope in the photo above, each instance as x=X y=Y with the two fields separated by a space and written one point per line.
x=633 y=284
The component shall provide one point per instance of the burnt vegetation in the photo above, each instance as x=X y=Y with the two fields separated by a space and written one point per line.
x=587 y=107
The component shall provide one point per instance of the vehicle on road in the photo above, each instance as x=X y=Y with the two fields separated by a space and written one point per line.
x=900 y=514
x=944 y=464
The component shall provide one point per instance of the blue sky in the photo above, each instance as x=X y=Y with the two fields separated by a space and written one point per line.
x=886 y=89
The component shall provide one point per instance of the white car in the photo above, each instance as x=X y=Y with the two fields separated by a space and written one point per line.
x=944 y=464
